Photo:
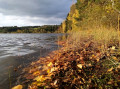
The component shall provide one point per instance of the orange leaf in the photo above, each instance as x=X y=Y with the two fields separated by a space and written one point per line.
x=36 y=73
x=18 y=87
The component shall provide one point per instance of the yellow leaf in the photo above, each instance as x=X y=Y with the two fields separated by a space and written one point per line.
x=83 y=80
x=18 y=87
x=109 y=82
x=40 y=84
x=55 y=82
x=108 y=54
x=40 y=78
x=53 y=69
x=118 y=66
x=93 y=55
x=37 y=72
x=113 y=48
x=34 y=83
x=116 y=84
x=50 y=64
x=97 y=59
x=80 y=66
x=110 y=69
x=32 y=63
x=48 y=71
x=115 y=58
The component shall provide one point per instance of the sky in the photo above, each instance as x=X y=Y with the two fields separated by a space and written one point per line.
x=33 y=12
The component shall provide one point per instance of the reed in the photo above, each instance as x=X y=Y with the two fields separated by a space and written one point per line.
x=101 y=35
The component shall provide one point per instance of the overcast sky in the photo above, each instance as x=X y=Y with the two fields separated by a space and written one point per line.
x=33 y=12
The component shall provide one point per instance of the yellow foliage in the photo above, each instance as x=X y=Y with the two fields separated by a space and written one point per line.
x=40 y=78
x=76 y=14
x=109 y=9
x=63 y=26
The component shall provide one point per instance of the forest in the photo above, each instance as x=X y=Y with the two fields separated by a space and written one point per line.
x=89 y=14
x=29 y=29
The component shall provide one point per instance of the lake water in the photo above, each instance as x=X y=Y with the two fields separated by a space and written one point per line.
x=16 y=49
x=21 y=44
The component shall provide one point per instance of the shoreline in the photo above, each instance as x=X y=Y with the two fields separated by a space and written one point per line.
x=22 y=62
x=41 y=62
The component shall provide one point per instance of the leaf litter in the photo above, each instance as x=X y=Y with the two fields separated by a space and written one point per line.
x=85 y=67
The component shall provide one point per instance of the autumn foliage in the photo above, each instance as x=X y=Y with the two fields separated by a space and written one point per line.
x=89 y=57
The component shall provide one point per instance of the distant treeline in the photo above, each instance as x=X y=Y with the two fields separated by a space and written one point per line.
x=30 y=29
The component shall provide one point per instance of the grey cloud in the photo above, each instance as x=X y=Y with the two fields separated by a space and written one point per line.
x=34 y=11
x=36 y=8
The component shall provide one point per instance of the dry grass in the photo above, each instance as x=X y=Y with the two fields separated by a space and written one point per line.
x=105 y=40
x=102 y=36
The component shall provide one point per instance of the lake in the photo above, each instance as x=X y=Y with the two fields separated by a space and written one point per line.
x=21 y=49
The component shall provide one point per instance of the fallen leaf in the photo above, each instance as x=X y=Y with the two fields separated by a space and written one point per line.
x=18 y=87
x=30 y=77
x=80 y=66
x=40 y=78
x=36 y=73
x=48 y=71
x=118 y=66
x=34 y=83
x=113 y=48
x=55 y=82
x=44 y=72
x=50 y=64
x=115 y=58
x=97 y=59
x=110 y=69
x=53 y=69
x=115 y=84
x=110 y=82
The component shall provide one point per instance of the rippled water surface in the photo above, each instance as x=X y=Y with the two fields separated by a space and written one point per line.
x=21 y=44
